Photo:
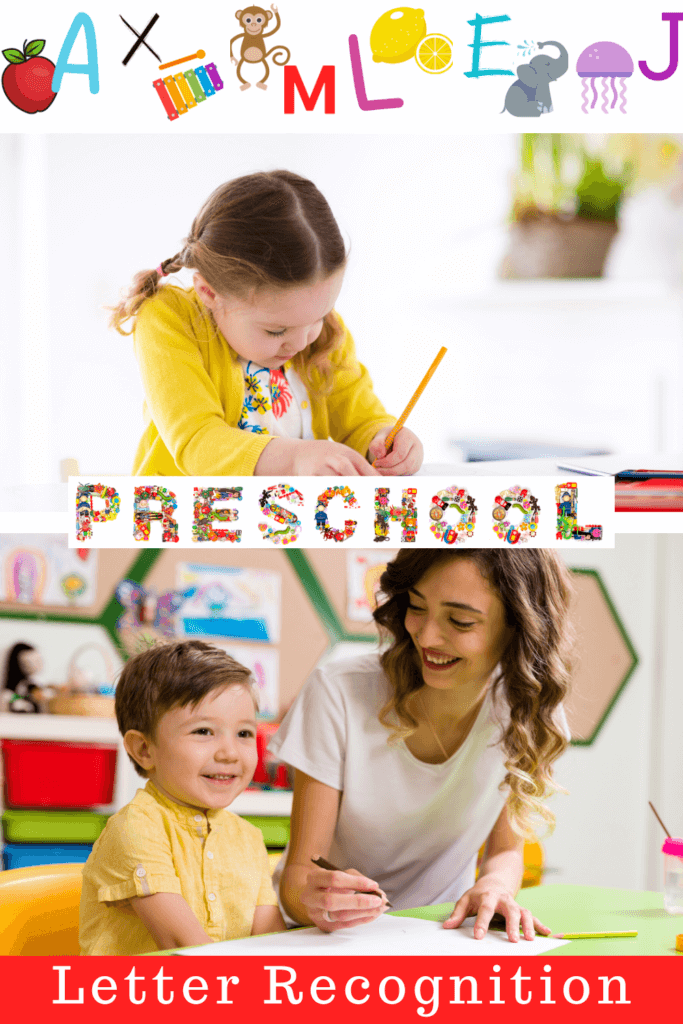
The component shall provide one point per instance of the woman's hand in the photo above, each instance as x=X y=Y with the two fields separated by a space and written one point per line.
x=333 y=901
x=490 y=896
x=405 y=457
x=311 y=458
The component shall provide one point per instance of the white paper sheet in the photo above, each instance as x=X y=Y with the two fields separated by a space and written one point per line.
x=386 y=936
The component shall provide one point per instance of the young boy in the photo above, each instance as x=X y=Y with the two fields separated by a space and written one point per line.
x=174 y=868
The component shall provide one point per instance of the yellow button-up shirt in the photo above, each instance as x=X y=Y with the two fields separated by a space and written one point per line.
x=215 y=860
x=194 y=388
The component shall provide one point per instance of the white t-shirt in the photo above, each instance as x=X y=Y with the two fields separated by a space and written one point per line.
x=414 y=828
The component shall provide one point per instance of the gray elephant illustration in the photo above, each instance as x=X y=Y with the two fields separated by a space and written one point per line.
x=529 y=96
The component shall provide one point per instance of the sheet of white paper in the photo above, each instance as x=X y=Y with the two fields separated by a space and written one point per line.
x=386 y=936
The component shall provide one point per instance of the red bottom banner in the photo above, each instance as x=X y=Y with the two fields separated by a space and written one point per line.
x=373 y=989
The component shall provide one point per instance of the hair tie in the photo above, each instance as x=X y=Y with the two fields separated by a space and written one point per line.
x=160 y=271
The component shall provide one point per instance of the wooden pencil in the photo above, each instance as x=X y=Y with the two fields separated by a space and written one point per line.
x=409 y=408
x=322 y=863
x=594 y=935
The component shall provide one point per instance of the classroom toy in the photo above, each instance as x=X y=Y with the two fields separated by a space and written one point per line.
x=205 y=514
x=86 y=514
x=321 y=519
x=567 y=505
x=523 y=501
x=186 y=89
x=462 y=502
x=290 y=523
x=143 y=515
x=386 y=512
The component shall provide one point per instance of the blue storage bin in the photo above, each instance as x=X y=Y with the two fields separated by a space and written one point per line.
x=25 y=855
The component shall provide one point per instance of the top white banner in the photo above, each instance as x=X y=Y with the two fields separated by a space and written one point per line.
x=360 y=67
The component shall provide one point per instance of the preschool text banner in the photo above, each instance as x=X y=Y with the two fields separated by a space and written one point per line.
x=359 y=66
x=316 y=512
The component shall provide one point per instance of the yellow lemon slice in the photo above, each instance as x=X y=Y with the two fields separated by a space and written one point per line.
x=435 y=54
x=394 y=36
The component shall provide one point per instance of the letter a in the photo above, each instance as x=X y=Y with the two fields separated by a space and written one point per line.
x=81 y=21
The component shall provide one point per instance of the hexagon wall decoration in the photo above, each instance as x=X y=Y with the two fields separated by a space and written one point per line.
x=605 y=657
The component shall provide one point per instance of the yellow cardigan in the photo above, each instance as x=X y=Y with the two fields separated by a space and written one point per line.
x=194 y=389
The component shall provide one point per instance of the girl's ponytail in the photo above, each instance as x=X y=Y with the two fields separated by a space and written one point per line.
x=268 y=229
x=145 y=284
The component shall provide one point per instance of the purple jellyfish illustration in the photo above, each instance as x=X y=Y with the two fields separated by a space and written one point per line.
x=607 y=61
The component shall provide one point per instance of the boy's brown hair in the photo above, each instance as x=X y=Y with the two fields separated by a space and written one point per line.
x=170 y=675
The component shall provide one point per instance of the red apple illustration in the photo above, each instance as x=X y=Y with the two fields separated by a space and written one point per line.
x=27 y=80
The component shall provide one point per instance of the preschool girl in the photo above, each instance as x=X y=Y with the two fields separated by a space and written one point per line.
x=252 y=371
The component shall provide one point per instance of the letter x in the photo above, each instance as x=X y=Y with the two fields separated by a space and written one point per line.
x=141 y=38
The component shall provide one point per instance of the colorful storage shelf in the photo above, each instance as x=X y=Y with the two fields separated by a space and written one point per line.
x=35 y=826
x=275 y=830
x=24 y=855
x=58 y=775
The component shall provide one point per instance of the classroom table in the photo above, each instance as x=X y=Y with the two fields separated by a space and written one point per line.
x=584 y=908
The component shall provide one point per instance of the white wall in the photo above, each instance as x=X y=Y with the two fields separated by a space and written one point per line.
x=606 y=834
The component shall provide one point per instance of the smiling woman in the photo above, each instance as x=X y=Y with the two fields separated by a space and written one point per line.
x=409 y=760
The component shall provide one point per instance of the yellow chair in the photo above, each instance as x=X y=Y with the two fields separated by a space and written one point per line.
x=39 y=910
x=534 y=860
x=274 y=858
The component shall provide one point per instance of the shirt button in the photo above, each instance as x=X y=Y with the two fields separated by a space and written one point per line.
x=304 y=405
x=209 y=854
x=199 y=817
x=212 y=896
x=140 y=872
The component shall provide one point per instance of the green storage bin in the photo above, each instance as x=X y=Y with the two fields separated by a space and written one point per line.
x=275 y=830
x=26 y=826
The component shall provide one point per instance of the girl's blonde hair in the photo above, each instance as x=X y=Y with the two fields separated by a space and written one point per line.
x=534 y=586
x=270 y=229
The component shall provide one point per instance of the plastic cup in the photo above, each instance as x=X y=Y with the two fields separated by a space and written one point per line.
x=673 y=875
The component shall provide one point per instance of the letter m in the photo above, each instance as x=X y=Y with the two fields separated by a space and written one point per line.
x=293 y=80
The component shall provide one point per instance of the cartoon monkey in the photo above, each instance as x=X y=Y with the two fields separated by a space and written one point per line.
x=254 y=20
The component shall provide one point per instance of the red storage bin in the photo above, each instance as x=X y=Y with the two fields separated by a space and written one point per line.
x=45 y=774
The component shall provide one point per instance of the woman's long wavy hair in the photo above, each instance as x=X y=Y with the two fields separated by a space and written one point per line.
x=534 y=586
x=269 y=229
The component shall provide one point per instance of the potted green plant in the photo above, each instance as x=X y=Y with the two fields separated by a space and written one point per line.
x=568 y=193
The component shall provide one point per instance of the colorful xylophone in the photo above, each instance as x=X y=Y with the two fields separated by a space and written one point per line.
x=180 y=93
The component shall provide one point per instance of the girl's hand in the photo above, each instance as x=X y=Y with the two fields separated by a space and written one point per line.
x=405 y=457
x=311 y=458
x=333 y=901
x=487 y=897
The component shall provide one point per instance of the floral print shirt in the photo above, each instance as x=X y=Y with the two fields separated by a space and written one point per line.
x=275 y=402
